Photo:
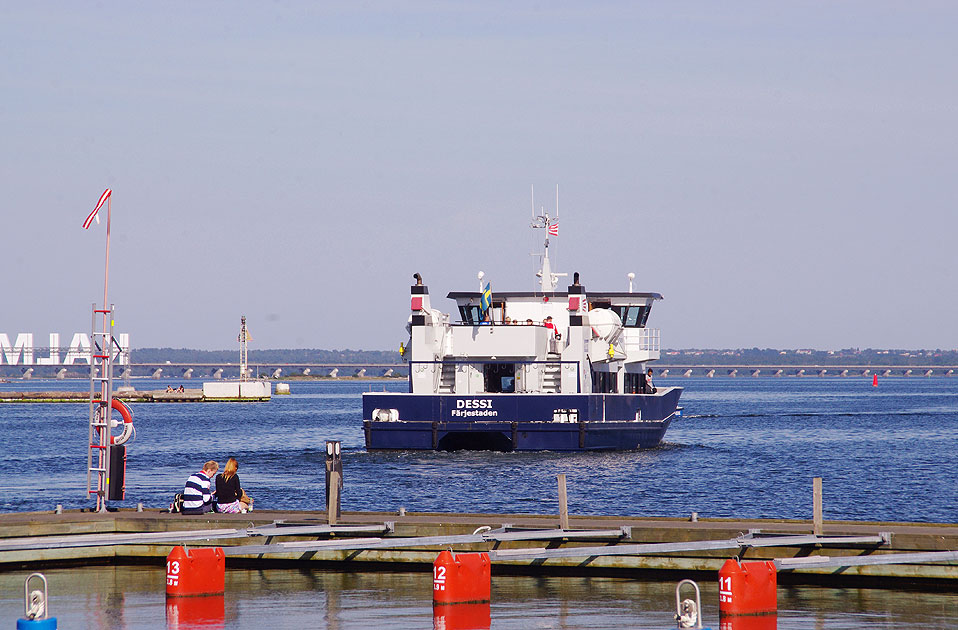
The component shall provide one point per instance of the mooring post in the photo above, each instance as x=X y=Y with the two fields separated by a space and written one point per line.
x=817 y=503
x=332 y=510
x=563 y=503
x=334 y=466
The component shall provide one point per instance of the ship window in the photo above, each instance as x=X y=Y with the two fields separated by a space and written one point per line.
x=500 y=378
x=634 y=383
x=498 y=311
x=632 y=316
x=470 y=313
x=603 y=382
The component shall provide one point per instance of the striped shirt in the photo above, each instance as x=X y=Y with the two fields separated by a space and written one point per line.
x=197 y=493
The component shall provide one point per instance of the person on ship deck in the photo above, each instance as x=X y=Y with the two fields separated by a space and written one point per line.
x=649 y=386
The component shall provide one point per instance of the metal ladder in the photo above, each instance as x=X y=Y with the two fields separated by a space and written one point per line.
x=101 y=403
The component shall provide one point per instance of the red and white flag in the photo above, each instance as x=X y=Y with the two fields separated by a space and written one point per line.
x=554 y=228
x=93 y=215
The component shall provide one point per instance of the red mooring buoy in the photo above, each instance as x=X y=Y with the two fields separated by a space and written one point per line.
x=874 y=380
x=195 y=572
x=747 y=588
x=461 y=578
x=461 y=590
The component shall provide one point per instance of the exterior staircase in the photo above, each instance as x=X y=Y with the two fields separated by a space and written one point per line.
x=447 y=378
x=552 y=377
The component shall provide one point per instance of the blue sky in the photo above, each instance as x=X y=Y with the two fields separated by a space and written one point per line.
x=781 y=172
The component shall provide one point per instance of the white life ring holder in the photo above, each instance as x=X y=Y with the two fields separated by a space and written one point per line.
x=127 y=414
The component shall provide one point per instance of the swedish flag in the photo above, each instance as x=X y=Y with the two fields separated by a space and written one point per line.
x=486 y=300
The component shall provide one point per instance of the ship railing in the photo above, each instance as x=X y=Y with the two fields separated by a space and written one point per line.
x=438 y=365
x=641 y=343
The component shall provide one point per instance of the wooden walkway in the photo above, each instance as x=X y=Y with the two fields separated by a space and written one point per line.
x=888 y=555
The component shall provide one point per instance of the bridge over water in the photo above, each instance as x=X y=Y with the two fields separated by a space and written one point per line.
x=663 y=369
x=209 y=371
x=666 y=369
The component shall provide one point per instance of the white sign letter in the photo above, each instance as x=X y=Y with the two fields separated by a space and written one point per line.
x=54 y=358
x=24 y=344
x=79 y=349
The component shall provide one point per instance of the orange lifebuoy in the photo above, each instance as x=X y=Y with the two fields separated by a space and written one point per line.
x=127 y=414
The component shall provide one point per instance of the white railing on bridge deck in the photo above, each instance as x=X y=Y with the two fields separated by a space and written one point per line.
x=641 y=344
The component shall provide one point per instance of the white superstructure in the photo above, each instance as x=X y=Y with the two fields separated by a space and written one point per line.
x=543 y=341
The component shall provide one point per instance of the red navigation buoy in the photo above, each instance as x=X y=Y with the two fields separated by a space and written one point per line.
x=874 y=380
x=195 y=572
x=747 y=588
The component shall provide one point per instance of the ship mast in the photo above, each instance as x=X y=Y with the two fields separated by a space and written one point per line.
x=547 y=279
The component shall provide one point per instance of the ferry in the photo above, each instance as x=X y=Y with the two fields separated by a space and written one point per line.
x=526 y=371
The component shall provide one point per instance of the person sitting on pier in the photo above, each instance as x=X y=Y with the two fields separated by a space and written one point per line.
x=229 y=493
x=197 y=496
x=181 y=390
x=169 y=389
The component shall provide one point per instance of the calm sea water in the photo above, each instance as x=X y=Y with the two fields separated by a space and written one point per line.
x=745 y=448
x=131 y=598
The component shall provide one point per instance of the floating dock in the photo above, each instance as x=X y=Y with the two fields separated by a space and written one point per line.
x=884 y=555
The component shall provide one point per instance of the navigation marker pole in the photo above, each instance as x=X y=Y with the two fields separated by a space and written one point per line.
x=243 y=337
x=101 y=352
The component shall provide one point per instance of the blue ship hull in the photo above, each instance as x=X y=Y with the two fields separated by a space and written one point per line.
x=519 y=422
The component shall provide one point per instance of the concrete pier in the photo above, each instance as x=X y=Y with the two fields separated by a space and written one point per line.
x=146 y=396
x=647 y=548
